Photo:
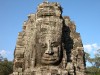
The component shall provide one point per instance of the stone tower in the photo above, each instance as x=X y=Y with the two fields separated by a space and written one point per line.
x=49 y=44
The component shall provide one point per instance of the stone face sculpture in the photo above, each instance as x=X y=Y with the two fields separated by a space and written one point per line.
x=49 y=44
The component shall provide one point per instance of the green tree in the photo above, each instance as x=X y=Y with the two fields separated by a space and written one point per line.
x=97 y=59
x=5 y=66
x=1 y=58
x=95 y=62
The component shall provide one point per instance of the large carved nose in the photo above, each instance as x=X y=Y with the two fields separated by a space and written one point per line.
x=50 y=49
x=50 y=52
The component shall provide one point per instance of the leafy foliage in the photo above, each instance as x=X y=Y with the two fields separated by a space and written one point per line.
x=5 y=66
x=95 y=62
x=1 y=58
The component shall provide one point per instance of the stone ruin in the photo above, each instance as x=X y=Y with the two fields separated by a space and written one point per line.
x=49 y=44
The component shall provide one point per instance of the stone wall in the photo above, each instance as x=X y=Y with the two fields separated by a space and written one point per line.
x=49 y=44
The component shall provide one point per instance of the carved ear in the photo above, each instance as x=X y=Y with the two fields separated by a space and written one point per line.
x=58 y=51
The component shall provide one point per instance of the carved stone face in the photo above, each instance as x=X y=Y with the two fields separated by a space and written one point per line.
x=52 y=52
x=49 y=48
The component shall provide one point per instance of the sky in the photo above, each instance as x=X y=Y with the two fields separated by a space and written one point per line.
x=85 y=14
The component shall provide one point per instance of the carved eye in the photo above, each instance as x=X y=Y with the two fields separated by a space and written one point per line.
x=54 y=44
x=44 y=45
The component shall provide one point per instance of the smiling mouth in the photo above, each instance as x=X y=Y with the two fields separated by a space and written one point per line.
x=49 y=58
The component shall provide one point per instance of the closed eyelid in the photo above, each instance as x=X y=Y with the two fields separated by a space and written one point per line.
x=55 y=44
x=44 y=45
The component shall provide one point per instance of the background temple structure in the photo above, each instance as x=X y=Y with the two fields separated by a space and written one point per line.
x=49 y=44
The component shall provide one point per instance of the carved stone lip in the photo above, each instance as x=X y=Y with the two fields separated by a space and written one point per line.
x=49 y=62
x=49 y=59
